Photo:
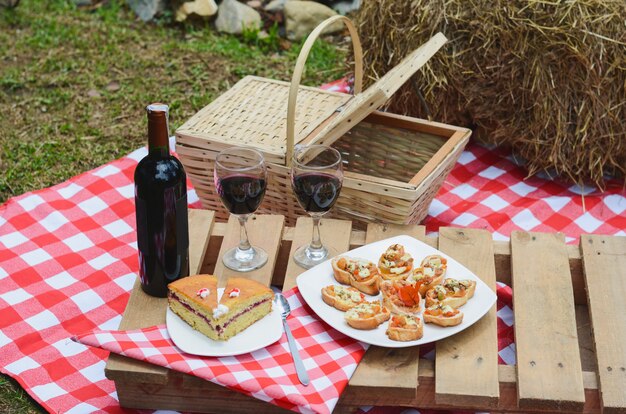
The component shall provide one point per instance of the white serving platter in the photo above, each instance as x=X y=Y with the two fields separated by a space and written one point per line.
x=311 y=282
x=259 y=335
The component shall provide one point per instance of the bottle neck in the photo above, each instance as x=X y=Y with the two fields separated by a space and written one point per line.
x=158 y=134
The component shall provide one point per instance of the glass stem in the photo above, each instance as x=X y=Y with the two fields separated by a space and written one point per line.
x=316 y=241
x=244 y=243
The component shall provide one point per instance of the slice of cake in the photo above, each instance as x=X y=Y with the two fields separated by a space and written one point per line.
x=243 y=302
x=193 y=298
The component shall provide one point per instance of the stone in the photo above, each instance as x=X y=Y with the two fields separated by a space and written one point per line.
x=202 y=8
x=147 y=9
x=233 y=16
x=255 y=4
x=346 y=6
x=303 y=16
x=112 y=86
x=275 y=6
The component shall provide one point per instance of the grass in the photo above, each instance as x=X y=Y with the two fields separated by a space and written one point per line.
x=74 y=84
x=14 y=400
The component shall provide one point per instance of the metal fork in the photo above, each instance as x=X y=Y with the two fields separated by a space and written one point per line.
x=303 y=376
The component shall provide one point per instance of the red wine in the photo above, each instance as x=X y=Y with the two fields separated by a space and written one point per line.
x=241 y=194
x=161 y=206
x=316 y=192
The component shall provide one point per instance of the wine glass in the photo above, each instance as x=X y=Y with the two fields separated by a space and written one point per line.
x=240 y=179
x=316 y=179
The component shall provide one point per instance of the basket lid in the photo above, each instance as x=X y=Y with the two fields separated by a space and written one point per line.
x=362 y=104
x=252 y=112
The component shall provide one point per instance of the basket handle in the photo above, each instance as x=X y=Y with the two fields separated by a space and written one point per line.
x=297 y=73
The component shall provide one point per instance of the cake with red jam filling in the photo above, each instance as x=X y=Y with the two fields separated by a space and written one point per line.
x=243 y=302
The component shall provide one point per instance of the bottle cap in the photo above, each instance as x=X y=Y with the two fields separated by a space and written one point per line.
x=157 y=107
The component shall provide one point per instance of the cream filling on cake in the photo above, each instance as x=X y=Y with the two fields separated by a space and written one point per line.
x=220 y=327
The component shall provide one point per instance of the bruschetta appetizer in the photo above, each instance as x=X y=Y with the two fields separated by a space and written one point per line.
x=341 y=297
x=401 y=297
x=443 y=315
x=359 y=273
x=426 y=279
x=367 y=315
x=405 y=328
x=452 y=292
x=395 y=263
x=435 y=265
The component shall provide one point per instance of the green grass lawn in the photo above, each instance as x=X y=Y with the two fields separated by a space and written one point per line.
x=74 y=84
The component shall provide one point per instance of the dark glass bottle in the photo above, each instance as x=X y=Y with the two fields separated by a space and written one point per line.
x=161 y=206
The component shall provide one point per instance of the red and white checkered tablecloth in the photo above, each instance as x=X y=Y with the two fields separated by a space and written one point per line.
x=269 y=374
x=68 y=260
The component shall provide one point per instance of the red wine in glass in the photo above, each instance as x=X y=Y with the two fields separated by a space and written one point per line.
x=316 y=178
x=316 y=192
x=241 y=194
x=240 y=178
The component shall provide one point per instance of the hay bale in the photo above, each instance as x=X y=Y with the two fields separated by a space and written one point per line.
x=547 y=78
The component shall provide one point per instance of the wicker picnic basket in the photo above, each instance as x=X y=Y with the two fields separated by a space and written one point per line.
x=393 y=164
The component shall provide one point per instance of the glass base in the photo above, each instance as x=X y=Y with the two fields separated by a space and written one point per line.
x=244 y=260
x=307 y=257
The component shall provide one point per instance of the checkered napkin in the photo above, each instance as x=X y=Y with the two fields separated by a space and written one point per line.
x=267 y=374
x=68 y=260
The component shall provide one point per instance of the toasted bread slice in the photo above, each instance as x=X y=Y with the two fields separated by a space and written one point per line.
x=452 y=292
x=359 y=273
x=443 y=315
x=395 y=263
x=423 y=280
x=401 y=297
x=340 y=272
x=435 y=265
x=367 y=315
x=405 y=328
x=341 y=297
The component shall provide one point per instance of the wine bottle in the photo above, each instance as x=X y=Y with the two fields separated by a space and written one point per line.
x=161 y=207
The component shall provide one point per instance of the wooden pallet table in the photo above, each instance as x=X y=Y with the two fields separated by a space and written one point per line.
x=570 y=325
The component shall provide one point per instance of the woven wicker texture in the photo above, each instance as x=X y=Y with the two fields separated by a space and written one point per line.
x=386 y=152
x=253 y=113
x=379 y=92
x=393 y=165
x=371 y=149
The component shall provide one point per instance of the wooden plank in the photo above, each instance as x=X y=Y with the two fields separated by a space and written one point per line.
x=376 y=232
x=502 y=252
x=143 y=310
x=388 y=371
x=132 y=389
x=472 y=353
x=200 y=226
x=190 y=394
x=549 y=366
x=264 y=231
x=334 y=233
x=604 y=261
x=425 y=399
